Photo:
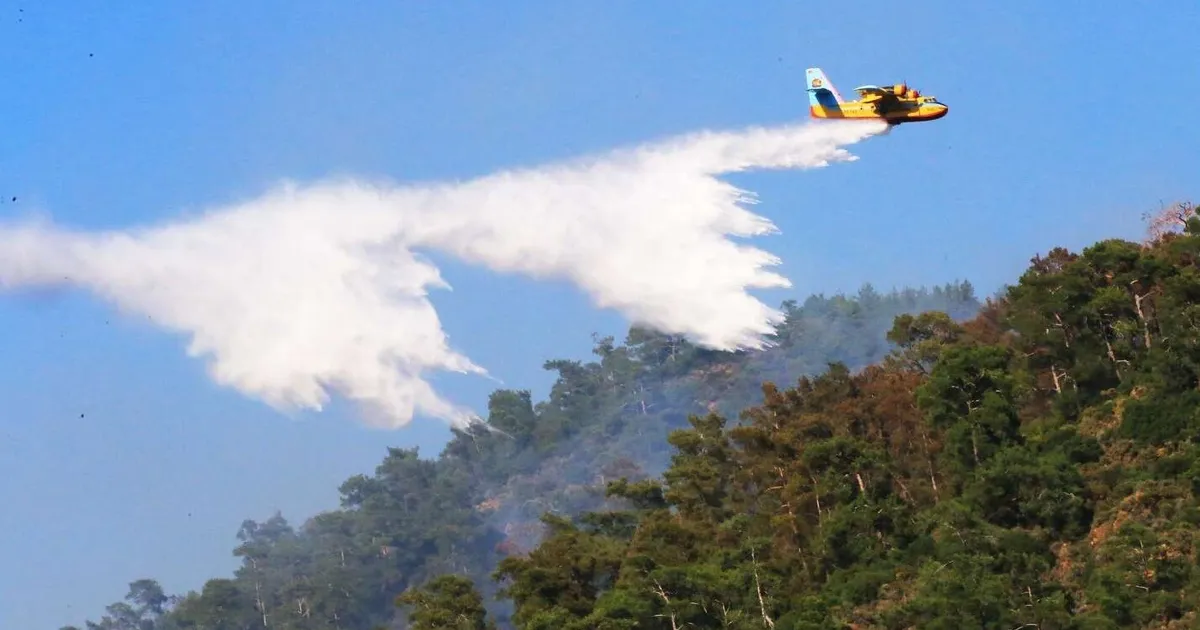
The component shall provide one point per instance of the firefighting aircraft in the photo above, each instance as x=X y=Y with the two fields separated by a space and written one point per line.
x=895 y=104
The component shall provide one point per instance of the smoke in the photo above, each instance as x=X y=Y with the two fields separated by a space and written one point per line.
x=317 y=288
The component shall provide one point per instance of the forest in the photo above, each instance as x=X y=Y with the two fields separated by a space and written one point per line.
x=919 y=458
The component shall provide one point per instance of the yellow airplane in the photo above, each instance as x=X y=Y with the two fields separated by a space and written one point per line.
x=895 y=104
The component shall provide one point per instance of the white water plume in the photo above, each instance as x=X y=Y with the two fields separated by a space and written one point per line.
x=312 y=289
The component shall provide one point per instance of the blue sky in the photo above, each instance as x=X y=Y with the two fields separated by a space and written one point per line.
x=119 y=459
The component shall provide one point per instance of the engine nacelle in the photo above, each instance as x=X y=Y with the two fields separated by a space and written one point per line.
x=900 y=89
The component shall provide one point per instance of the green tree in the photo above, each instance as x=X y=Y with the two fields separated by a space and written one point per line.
x=447 y=602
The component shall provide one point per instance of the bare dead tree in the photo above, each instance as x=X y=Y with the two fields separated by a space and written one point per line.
x=762 y=604
x=1167 y=220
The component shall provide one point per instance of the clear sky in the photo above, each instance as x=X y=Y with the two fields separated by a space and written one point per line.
x=119 y=459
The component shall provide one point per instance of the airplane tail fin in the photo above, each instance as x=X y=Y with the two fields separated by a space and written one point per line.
x=821 y=91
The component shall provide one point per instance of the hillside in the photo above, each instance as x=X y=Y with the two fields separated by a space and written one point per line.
x=936 y=465
x=482 y=497
x=1034 y=467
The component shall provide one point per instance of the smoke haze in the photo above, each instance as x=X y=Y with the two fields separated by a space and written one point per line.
x=316 y=289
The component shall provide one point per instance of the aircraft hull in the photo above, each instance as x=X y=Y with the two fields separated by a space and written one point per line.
x=892 y=119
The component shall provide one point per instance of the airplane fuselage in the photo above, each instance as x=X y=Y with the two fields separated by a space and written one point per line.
x=902 y=112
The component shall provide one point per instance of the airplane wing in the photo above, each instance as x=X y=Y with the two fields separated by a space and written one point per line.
x=870 y=89
x=877 y=95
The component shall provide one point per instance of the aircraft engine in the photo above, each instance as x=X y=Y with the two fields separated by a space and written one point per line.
x=900 y=89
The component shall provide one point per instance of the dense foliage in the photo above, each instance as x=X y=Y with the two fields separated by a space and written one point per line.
x=1033 y=463
x=1035 y=467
